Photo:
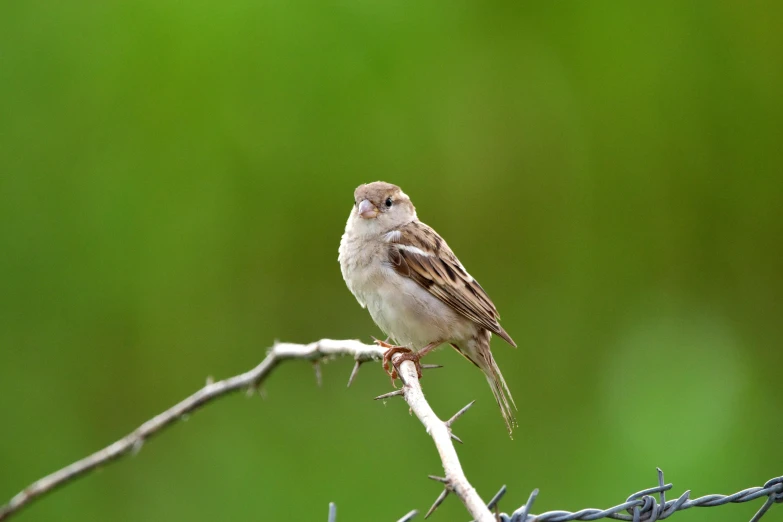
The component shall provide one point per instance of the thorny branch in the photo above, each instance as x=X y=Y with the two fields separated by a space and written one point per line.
x=639 y=507
x=455 y=479
x=250 y=380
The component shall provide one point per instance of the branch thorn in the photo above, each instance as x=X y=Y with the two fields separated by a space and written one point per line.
x=137 y=445
x=453 y=418
x=318 y=378
x=459 y=414
x=354 y=372
x=446 y=490
x=394 y=393
x=438 y=502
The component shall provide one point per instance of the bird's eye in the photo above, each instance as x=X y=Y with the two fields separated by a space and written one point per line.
x=388 y=202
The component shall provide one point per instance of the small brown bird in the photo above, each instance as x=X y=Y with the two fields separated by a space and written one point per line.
x=415 y=288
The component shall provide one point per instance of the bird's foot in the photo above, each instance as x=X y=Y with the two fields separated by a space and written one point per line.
x=407 y=355
x=391 y=367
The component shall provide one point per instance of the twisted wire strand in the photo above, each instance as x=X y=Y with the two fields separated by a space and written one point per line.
x=642 y=506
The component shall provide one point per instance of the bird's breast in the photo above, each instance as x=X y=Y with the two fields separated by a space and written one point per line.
x=360 y=263
x=404 y=310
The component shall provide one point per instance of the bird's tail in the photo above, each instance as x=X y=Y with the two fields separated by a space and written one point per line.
x=499 y=389
x=477 y=351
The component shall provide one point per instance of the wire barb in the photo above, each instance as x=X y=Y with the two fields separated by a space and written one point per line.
x=494 y=502
x=521 y=514
x=409 y=516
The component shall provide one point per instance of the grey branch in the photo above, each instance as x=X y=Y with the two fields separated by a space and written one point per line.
x=250 y=381
x=132 y=442
x=440 y=431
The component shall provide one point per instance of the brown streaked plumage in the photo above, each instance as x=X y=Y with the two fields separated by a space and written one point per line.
x=444 y=277
x=414 y=286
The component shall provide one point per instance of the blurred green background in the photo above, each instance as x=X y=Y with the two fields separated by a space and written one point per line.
x=175 y=178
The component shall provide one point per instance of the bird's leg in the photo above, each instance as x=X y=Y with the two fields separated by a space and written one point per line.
x=409 y=355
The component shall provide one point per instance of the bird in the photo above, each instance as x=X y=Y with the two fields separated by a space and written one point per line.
x=416 y=290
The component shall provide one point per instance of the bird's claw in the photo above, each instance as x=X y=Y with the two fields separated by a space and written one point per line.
x=382 y=344
x=392 y=367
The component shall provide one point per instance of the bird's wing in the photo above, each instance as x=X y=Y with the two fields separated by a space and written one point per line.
x=416 y=251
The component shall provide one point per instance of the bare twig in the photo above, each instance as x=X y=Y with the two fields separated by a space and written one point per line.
x=133 y=442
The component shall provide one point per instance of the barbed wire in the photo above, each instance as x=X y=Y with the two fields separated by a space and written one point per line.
x=642 y=506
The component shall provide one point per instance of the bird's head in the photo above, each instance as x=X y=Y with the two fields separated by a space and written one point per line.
x=379 y=207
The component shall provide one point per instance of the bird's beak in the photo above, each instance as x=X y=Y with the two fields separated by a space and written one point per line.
x=367 y=210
